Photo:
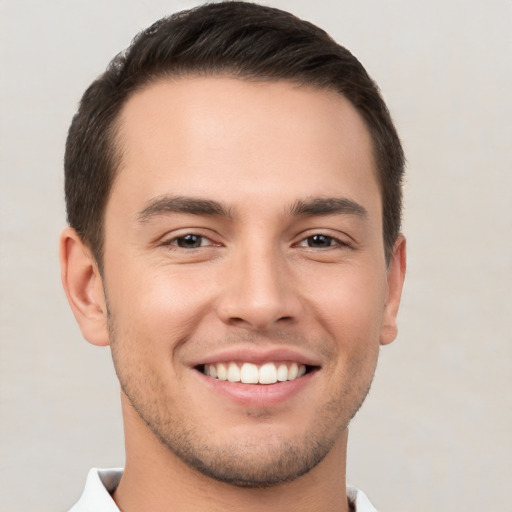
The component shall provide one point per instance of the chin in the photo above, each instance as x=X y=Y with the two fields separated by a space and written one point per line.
x=253 y=465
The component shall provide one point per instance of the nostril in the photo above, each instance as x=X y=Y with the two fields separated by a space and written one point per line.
x=237 y=321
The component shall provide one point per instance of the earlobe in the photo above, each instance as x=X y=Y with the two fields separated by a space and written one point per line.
x=395 y=278
x=83 y=285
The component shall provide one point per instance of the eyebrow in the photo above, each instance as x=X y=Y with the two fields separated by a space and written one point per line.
x=180 y=204
x=328 y=206
x=196 y=206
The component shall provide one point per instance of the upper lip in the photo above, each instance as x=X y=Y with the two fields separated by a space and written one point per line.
x=257 y=355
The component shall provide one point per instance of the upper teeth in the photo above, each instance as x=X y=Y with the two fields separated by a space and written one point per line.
x=249 y=373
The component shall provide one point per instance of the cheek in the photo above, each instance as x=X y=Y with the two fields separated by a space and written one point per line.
x=350 y=301
x=159 y=304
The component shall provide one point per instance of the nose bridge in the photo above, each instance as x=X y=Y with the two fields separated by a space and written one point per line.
x=258 y=291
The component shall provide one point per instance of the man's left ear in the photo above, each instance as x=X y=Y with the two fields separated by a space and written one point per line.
x=396 y=275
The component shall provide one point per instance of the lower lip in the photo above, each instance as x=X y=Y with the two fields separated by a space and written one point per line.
x=258 y=395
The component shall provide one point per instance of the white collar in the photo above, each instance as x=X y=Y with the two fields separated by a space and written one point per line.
x=102 y=482
x=98 y=487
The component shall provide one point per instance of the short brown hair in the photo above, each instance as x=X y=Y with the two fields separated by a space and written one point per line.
x=240 y=39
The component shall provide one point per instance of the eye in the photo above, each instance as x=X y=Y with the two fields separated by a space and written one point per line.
x=320 y=241
x=190 y=241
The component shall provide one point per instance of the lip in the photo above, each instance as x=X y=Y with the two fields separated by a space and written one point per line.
x=261 y=396
x=257 y=395
x=258 y=356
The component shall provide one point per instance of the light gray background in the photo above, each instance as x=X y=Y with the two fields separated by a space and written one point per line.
x=435 y=433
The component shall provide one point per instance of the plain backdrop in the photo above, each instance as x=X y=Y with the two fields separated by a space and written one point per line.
x=435 y=433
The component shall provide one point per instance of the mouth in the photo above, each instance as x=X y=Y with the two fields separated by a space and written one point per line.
x=250 y=373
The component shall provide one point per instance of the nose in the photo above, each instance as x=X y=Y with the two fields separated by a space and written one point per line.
x=259 y=291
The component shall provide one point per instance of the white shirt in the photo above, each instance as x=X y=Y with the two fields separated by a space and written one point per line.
x=102 y=482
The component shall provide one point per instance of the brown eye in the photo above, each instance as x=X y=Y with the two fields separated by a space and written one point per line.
x=190 y=241
x=319 y=241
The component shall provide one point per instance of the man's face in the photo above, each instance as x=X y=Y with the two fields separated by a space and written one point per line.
x=243 y=240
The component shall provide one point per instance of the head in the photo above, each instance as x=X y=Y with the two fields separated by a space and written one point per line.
x=233 y=185
x=239 y=39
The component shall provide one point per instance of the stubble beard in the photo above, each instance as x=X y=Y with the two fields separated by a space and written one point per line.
x=249 y=463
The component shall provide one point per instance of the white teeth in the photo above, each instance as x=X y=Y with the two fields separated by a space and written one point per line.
x=268 y=374
x=222 y=372
x=282 y=373
x=293 y=371
x=249 y=373
x=233 y=373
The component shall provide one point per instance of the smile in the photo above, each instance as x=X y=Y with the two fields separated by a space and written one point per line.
x=249 y=373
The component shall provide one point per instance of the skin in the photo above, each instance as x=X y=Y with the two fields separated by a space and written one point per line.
x=267 y=275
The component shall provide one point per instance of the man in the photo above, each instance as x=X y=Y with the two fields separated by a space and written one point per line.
x=233 y=194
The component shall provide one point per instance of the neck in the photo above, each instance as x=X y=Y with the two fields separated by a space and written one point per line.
x=156 y=479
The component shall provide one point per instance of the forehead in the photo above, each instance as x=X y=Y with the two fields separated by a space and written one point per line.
x=231 y=138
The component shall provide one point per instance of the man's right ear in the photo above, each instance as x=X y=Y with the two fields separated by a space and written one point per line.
x=83 y=285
